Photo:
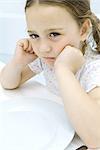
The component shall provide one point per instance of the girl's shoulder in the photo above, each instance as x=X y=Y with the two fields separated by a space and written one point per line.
x=91 y=55
x=89 y=74
x=92 y=63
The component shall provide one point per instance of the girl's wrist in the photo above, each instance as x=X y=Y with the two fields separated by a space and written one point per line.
x=62 y=66
x=18 y=61
x=58 y=66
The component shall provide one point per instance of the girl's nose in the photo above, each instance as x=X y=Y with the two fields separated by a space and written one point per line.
x=44 y=47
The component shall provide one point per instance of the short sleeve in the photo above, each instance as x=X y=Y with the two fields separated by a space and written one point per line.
x=36 y=66
x=90 y=76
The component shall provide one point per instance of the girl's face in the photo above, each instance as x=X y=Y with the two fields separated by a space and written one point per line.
x=51 y=28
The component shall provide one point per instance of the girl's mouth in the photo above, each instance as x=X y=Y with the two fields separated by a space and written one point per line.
x=49 y=58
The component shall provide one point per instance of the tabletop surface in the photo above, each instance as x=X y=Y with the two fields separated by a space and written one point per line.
x=27 y=90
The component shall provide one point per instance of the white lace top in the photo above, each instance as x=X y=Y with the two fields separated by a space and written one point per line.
x=88 y=75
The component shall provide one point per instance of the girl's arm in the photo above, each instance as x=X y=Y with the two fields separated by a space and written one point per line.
x=14 y=74
x=17 y=71
x=82 y=109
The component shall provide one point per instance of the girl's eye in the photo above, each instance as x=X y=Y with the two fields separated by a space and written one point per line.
x=34 y=36
x=54 y=34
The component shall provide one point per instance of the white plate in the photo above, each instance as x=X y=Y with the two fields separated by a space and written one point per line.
x=33 y=124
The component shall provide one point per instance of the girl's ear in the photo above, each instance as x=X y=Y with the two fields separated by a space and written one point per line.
x=85 y=29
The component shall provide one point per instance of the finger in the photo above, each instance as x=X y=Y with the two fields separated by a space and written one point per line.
x=29 y=48
x=23 y=43
x=26 y=45
x=20 y=44
x=32 y=52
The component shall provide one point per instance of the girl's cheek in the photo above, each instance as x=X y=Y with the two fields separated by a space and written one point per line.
x=60 y=46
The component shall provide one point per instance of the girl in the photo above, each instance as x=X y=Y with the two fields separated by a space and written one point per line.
x=65 y=43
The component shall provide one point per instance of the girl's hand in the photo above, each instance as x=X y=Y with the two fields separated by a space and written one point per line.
x=24 y=53
x=71 y=57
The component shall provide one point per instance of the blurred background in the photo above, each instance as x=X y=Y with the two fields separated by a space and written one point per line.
x=13 y=25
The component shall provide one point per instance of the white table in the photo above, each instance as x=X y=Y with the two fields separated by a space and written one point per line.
x=33 y=88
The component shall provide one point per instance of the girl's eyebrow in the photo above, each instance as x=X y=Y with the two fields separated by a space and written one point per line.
x=52 y=29
x=29 y=31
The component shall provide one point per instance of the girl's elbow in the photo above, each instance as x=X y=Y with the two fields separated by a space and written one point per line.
x=8 y=86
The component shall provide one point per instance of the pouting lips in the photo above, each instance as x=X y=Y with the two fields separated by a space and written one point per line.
x=49 y=57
